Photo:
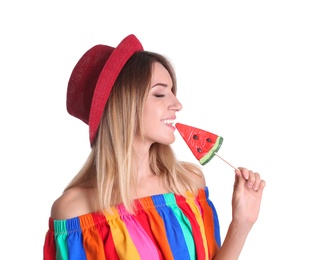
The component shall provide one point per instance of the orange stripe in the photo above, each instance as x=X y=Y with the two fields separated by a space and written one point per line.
x=208 y=224
x=92 y=242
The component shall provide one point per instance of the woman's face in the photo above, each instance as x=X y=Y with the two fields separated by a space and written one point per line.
x=160 y=108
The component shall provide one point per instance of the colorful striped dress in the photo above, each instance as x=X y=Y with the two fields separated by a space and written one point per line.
x=166 y=226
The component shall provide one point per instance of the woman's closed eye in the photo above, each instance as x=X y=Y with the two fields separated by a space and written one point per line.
x=159 y=95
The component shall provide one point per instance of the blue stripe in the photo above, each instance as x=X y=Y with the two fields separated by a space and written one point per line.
x=75 y=240
x=173 y=229
x=183 y=222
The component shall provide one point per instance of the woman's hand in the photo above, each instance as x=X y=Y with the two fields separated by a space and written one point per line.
x=247 y=195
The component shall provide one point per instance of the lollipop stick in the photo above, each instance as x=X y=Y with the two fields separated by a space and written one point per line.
x=225 y=161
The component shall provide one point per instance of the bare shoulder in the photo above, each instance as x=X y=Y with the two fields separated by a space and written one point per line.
x=196 y=174
x=74 y=202
x=198 y=179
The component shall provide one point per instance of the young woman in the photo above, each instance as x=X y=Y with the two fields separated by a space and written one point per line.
x=133 y=199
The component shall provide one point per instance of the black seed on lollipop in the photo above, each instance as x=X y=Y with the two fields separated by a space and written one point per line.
x=199 y=150
x=195 y=137
x=208 y=140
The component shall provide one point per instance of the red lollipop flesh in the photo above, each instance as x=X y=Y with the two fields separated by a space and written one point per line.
x=203 y=144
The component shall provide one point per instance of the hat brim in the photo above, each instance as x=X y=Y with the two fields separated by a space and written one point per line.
x=118 y=58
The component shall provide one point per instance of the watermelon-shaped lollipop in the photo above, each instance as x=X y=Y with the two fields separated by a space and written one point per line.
x=203 y=144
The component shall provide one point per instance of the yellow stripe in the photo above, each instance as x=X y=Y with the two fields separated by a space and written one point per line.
x=123 y=243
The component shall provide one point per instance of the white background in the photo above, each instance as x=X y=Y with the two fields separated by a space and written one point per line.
x=242 y=71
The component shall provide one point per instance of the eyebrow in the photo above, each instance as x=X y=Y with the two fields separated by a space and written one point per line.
x=160 y=84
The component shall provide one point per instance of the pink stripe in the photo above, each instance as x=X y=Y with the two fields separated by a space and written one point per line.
x=143 y=243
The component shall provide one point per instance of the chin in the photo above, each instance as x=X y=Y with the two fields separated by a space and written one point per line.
x=168 y=141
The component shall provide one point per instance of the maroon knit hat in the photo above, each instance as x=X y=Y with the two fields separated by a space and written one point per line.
x=92 y=80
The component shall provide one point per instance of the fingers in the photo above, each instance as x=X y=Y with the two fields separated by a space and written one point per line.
x=253 y=179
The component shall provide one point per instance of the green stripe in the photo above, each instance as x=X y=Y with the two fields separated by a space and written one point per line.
x=61 y=237
x=183 y=222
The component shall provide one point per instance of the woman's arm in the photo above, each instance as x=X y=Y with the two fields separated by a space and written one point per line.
x=246 y=201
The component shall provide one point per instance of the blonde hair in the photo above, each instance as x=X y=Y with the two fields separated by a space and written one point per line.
x=111 y=163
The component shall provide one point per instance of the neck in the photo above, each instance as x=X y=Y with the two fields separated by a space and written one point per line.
x=142 y=156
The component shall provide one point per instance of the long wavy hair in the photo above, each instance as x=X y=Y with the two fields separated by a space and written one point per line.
x=111 y=163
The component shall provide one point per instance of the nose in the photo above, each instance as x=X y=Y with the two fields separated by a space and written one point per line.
x=176 y=105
